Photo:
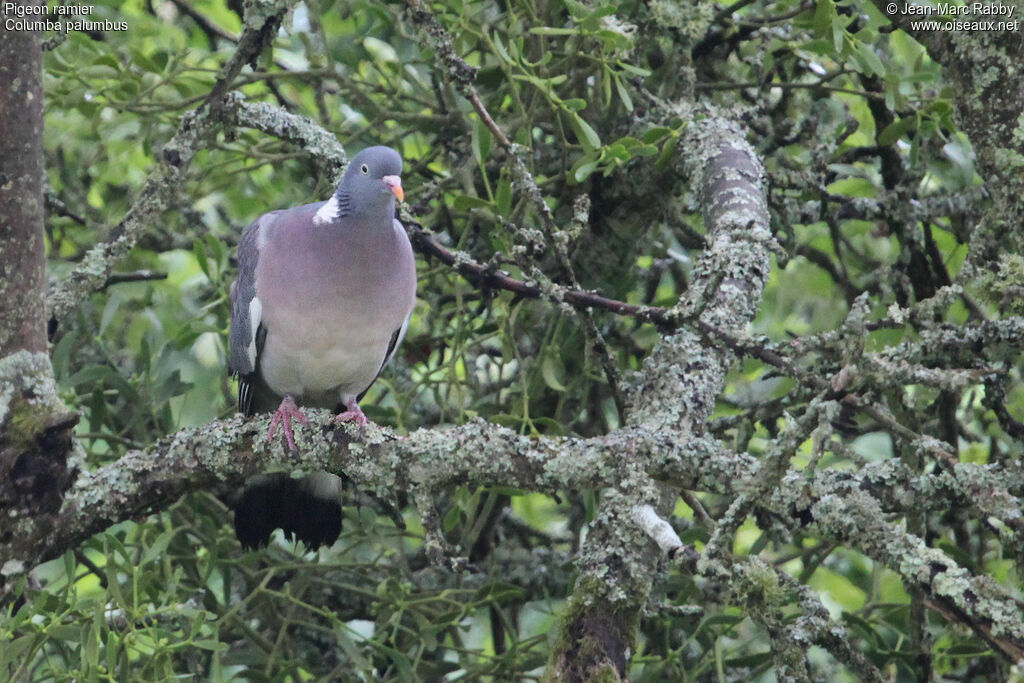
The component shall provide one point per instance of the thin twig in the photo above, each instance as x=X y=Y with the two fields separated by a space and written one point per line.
x=135 y=276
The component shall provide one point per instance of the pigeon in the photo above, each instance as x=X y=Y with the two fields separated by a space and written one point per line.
x=322 y=300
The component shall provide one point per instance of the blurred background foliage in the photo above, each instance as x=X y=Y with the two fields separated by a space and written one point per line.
x=852 y=120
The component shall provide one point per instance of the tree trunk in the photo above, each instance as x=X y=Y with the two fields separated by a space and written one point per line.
x=35 y=428
x=22 y=273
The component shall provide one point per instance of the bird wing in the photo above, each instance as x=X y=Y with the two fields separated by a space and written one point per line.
x=245 y=339
x=396 y=337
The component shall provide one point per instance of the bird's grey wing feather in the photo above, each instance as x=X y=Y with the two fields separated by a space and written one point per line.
x=253 y=392
x=396 y=339
x=247 y=334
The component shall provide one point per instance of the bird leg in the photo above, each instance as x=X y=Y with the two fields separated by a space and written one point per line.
x=283 y=416
x=353 y=414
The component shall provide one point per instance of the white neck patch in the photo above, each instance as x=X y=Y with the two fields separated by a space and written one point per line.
x=328 y=212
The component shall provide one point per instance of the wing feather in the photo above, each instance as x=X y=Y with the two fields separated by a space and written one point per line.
x=393 y=343
x=245 y=340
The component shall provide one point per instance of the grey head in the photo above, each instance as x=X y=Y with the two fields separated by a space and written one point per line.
x=368 y=188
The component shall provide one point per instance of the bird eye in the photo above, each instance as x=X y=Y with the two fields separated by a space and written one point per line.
x=365 y=169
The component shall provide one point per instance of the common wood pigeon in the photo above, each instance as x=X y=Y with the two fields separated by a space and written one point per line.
x=322 y=300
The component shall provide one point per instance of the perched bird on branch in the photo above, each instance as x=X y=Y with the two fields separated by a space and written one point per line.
x=322 y=300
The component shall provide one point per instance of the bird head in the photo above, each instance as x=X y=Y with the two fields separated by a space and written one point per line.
x=373 y=179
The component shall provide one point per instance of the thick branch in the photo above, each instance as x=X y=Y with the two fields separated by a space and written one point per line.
x=681 y=380
x=220 y=455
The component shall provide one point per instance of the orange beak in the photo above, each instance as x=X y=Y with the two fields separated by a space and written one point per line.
x=394 y=184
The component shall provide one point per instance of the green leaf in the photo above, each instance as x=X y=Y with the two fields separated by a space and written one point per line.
x=451 y=519
x=503 y=196
x=967 y=650
x=199 y=250
x=853 y=187
x=92 y=374
x=12 y=650
x=620 y=88
x=109 y=310
x=351 y=649
x=553 y=370
x=633 y=69
x=400 y=661
x=113 y=649
x=868 y=60
x=515 y=47
x=838 y=32
x=577 y=10
x=499 y=592
x=65 y=632
x=505 y=420
x=614 y=40
x=157 y=547
x=92 y=640
x=69 y=566
x=616 y=153
x=582 y=171
x=172 y=386
x=895 y=130
x=547 y=426
x=656 y=134
x=379 y=50
x=587 y=136
x=822 y=21
x=107 y=59
x=62 y=354
x=500 y=47
x=482 y=141
x=219 y=250
x=751 y=661
x=99 y=71
x=550 y=31
x=574 y=104
x=464 y=202
x=862 y=626
x=722 y=619
x=667 y=153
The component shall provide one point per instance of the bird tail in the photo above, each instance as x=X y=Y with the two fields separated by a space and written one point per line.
x=307 y=509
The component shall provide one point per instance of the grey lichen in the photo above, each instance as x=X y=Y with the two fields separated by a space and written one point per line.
x=854 y=517
x=1002 y=283
x=306 y=134
x=691 y=19
x=25 y=374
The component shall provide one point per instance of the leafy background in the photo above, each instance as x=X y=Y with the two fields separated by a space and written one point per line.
x=834 y=101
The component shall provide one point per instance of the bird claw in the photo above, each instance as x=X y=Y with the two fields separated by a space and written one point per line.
x=283 y=416
x=356 y=416
x=353 y=414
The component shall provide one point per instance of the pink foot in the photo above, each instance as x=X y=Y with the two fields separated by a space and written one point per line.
x=283 y=416
x=353 y=414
